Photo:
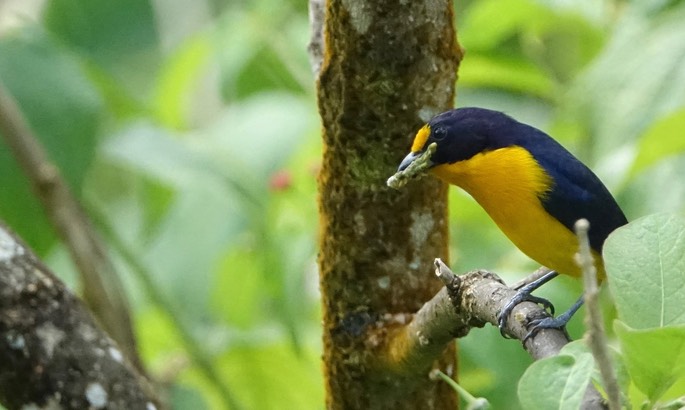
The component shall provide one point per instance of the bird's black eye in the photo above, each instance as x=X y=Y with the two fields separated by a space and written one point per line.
x=439 y=134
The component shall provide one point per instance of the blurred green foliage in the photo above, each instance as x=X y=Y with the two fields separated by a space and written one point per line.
x=192 y=130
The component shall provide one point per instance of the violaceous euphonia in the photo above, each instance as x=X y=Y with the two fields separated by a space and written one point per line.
x=531 y=186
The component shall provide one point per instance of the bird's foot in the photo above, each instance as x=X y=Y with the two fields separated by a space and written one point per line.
x=536 y=325
x=518 y=298
x=524 y=295
x=559 y=322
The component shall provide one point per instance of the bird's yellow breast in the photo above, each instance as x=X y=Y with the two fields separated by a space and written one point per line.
x=508 y=183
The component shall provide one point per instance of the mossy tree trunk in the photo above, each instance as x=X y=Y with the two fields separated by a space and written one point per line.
x=388 y=66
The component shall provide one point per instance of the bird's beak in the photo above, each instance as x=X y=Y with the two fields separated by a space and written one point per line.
x=408 y=160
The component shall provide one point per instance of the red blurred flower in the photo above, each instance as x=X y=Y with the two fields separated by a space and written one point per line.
x=280 y=180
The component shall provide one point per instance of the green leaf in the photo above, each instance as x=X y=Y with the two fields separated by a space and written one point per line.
x=119 y=36
x=238 y=40
x=557 y=382
x=655 y=357
x=663 y=139
x=577 y=348
x=489 y=23
x=558 y=40
x=264 y=373
x=260 y=50
x=63 y=109
x=513 y=74
x=293 y=382
x=237 y=296
x=645 y=263
x=183 y=397
x=618 y=96
x=183 y=70
x=125 y=26
x=652 y=190
x=265 y=72
x=160 y=343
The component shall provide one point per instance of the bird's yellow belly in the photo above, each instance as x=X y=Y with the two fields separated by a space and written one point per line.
x=535 y=232
x=508 y=184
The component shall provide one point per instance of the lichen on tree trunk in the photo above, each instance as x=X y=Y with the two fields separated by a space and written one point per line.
x=388 y=66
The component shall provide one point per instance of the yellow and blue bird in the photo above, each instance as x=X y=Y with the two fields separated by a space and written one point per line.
x=531 y=186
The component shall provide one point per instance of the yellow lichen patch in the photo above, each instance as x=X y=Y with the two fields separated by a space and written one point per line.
x=421 y=138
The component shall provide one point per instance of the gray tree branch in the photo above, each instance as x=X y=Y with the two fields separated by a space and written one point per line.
x=52 y=352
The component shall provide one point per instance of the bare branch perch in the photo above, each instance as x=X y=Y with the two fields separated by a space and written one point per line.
x=52 y=352
x=467 y=301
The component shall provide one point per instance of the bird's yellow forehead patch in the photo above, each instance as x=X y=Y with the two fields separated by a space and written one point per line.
x=421 y=138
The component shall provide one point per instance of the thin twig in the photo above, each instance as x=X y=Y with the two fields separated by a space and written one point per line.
x=539 y=272
x=593 y=320
x=472 y=403
x=102 y=289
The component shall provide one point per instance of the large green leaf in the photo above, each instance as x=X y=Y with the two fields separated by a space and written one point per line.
x=664 y=138
x=578 y=348
x=557 y=382
x=645 y=262
x=63 y=109
x=655 y=358
x=179 y=77
x=120 y=37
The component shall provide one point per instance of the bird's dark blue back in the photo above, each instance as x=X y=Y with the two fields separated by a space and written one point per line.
x=577 y=193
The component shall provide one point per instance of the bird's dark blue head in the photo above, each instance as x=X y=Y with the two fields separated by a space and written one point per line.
x=460 y=134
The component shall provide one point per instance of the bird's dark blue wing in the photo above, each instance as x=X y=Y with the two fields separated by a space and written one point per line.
x=577 y=193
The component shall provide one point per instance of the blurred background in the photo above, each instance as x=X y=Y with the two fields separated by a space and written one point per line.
x=190 y=129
